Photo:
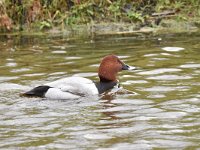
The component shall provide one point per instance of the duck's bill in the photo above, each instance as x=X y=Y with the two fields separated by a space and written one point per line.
x=127 y=67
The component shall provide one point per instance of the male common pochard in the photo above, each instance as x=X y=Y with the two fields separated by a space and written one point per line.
x=75 y=87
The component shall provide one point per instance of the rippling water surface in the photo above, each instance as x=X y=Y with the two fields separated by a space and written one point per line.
x=163 y=112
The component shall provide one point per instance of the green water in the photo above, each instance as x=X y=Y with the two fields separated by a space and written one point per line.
x=164 y=112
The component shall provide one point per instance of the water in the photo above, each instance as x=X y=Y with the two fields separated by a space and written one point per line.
x=162 y=113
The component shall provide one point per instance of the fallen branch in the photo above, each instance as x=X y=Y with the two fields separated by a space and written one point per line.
x=165 y=13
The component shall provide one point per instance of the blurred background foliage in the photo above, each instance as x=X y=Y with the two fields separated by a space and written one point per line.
x=45 y=14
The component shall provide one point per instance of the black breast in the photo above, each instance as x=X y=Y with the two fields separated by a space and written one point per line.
x=104 y=86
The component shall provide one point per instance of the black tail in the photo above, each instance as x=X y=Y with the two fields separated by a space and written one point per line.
x=37 y=91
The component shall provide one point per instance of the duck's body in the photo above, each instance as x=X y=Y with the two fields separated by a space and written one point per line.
x=70 y=88
x=76 y=87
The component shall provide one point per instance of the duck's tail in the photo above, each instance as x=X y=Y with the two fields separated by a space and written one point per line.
x=37 y=91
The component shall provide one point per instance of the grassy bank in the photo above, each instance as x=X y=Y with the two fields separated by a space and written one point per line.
x=37 y=15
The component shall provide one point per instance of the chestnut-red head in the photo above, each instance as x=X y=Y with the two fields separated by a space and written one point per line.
x=109 y=67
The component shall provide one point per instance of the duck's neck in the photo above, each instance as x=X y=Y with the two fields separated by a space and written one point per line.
x=103 y=86
x=106 y=80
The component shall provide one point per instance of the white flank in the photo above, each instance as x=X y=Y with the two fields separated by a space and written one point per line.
x=75 y=85
x=54 y=93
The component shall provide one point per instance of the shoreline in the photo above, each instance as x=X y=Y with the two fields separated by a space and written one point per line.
x=127 y=29
x=169 y=26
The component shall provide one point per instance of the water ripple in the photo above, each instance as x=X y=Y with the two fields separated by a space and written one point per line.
x=164 y=114
x=173 y=49
x=170 y=77
x=159 y=71
x=190 y=66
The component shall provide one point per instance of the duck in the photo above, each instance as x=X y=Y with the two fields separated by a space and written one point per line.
x=75 y=87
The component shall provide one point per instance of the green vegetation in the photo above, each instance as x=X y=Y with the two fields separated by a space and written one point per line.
x=46 y=14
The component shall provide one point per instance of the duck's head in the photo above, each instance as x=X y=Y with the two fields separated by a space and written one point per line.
x=110 y=66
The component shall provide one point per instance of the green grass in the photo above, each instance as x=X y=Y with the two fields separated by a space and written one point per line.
x=46 y=14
